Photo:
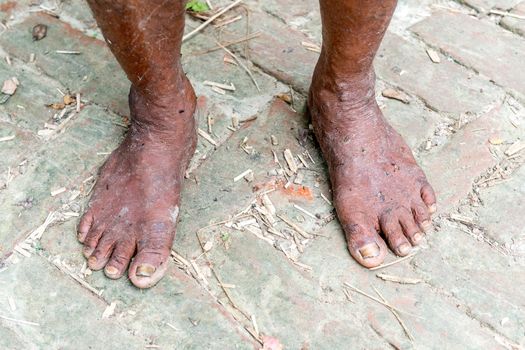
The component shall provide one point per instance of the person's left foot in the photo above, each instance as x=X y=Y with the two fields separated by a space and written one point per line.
x=134 y=208
x=378 y=186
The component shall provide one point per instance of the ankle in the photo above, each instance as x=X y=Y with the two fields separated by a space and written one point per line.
x=163 y=111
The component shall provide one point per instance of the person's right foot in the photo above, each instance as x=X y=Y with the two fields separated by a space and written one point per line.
x=132 y=214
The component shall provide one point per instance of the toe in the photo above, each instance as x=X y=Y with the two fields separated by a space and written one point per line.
x=91 y=239
x=84 y=225
x=410 y=228
x=120 y=259
x=429 y=198
x=422 y=215
x=365 y=244
x=151 y=261
x=393 y=232
x=102 y=252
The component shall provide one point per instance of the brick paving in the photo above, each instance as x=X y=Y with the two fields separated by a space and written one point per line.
x=464 y=121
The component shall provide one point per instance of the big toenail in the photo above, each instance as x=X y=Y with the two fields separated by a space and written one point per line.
x=145 y=270
x=403 y=248
x=432 y=209
x=417 y=237
x=370 y=250
x=426 y=225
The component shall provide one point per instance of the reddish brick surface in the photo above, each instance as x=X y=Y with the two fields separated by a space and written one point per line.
x=466 y=39
x=446 y=87
x=516 y=25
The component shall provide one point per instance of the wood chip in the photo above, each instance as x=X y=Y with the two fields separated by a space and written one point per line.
x=229 y=87
x=110 y=310
x=58 y=191
x=434 y=56
x=516 y=147
x=218 y=90
x=68 y=52
x=207 y=137
x=304 y=211
x=242 y=175
x=311 y=47
x=397 y=279
x=7 y=138
x=396 y=95
x=274 y=140
x=294 y=226
x=290 y=160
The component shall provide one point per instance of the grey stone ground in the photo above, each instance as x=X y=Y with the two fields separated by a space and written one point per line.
x=464 y=119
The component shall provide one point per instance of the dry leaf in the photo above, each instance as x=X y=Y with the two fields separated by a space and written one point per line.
x=39 y=32
x=285 y=97
x=396 y=95
x=9 y=86
x=495 y=140
x=68 y=99
x=57 y=106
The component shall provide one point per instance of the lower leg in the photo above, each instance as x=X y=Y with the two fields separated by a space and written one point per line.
x=133 y=211
x=377 y=184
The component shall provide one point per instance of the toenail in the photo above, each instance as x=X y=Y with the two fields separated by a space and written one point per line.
x=80 y=235
x=92 y=260
x=111 y=270
x=432 y=209
x=370 y=250
x=404 y=248
x=145 y=270
x=417 y=237
x=426 y=225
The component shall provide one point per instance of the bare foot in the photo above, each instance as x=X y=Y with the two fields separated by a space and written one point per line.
x=377 y=185
x=132 y=214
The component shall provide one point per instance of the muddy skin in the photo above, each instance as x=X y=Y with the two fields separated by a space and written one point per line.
x=131 y=217
x=378 y=187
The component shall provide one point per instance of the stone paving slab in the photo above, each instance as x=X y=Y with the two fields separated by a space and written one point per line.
x=465 y=38
x=61 y=162
x=480 y=277
x=64 y=319
x=446 y=87
x=443 y=322
x=94 y=72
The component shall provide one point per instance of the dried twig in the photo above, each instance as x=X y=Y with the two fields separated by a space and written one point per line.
x=241 y=64
x=393 y=262
x=209 y=20
x=396 y=315
x=397 y=279
x=19 y=321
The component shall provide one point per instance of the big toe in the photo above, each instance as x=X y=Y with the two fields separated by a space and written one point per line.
x=150 y=264
x=365 y=244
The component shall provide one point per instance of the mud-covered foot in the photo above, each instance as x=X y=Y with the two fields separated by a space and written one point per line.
x=377 y=185
x=131 y=217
